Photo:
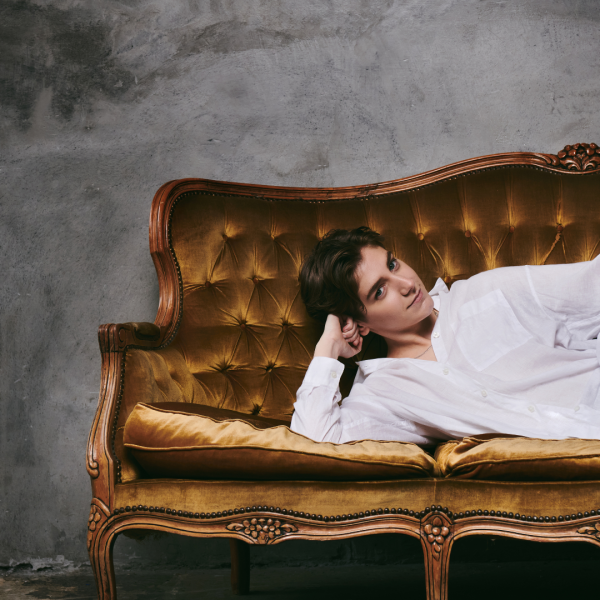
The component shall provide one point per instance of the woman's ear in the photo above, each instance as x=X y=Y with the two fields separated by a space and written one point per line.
x=362 y=328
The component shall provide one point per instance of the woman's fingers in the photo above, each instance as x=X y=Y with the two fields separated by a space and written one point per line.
x=348 y=323
x=351 y=335
x=349 y=331
x=353 y=339
x=356 y=346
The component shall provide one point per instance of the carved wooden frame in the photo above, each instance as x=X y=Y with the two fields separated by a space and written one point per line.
x=437 y=527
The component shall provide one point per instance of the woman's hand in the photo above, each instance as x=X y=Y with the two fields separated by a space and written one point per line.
x=340 y=337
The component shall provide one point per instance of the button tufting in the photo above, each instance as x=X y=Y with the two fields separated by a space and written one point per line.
x=255 y=279
x=511 y=229
x=467 y=233
x=207 y=283
x=559 y=228
x=420 y=236
x=225 y=237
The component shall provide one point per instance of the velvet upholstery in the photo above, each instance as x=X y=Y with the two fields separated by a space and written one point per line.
x=176 y=443
x=336 y=498
x=221 y=414
x=520 y=459
x=244 y=340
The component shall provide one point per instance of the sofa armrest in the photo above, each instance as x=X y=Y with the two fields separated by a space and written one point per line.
x=116 y=337
x=115 y=340
x=138 y=365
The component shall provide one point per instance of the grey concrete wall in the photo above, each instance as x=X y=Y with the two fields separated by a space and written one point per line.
x=102 y=102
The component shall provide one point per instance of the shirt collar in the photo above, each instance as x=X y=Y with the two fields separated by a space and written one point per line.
x=439 y=286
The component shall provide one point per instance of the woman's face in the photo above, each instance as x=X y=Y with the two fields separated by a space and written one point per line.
x=395 y=299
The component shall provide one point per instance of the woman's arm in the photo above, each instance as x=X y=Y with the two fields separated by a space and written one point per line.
x=317 y=412
x=570 y=295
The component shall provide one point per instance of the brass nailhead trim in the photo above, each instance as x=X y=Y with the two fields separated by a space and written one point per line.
x=116 y=417
x=367 y=513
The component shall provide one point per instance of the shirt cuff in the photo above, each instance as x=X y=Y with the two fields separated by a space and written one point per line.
x=324 y=371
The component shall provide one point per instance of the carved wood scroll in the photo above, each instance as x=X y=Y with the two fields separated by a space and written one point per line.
x=595 y=530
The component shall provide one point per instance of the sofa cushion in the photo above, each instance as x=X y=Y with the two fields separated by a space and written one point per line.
x=178 y=443
x=511 y=458
x=220 y=414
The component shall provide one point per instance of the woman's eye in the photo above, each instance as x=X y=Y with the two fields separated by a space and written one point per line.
x=392 y=264
x=378 y=293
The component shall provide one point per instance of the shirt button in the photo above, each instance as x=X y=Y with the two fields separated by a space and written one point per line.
x=333 y=374
x=531 y=408
x=446 y=371
x=576 y=408
x=484 y=393
x=436 y=334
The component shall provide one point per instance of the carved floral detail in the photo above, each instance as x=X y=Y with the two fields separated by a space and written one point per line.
x=263 y=530
x=93 y=520
x=595 y=530
x=436 y=533
x=578 y=157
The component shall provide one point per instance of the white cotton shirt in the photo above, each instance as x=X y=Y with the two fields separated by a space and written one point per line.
x=516 y=353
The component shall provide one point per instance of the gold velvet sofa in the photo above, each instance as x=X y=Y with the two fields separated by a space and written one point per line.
x=231 y=332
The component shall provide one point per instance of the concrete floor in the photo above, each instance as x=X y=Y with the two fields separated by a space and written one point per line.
x=549 y=580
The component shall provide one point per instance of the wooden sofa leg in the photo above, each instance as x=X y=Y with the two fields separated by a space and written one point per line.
x=100 y=543
x=240 y=567
x=437 y=539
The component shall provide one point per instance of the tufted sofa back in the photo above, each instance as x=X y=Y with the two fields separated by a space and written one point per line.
x=244 y=332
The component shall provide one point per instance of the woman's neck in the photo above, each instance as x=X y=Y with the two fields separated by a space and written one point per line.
x=414 y=343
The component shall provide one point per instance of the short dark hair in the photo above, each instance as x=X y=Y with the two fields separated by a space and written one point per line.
x=327 y=279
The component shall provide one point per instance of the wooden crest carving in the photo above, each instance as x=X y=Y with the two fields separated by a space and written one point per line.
x=263 y=531
x=578 y=157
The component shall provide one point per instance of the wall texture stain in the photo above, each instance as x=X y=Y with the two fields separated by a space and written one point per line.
x=67 y=51
x=101 y=103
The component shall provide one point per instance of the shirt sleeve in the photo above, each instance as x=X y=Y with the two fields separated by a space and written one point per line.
x=317 y=411
x=319 y=416
x=569 y=294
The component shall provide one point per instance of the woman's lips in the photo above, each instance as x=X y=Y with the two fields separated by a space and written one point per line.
x=418 y=297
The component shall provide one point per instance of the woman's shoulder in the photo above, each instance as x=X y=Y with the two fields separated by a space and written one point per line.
x=513 y=277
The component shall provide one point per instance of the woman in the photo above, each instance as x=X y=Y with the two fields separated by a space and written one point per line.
x=511 y=350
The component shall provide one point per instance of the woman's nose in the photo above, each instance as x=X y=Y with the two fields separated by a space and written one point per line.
x=405 y=285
